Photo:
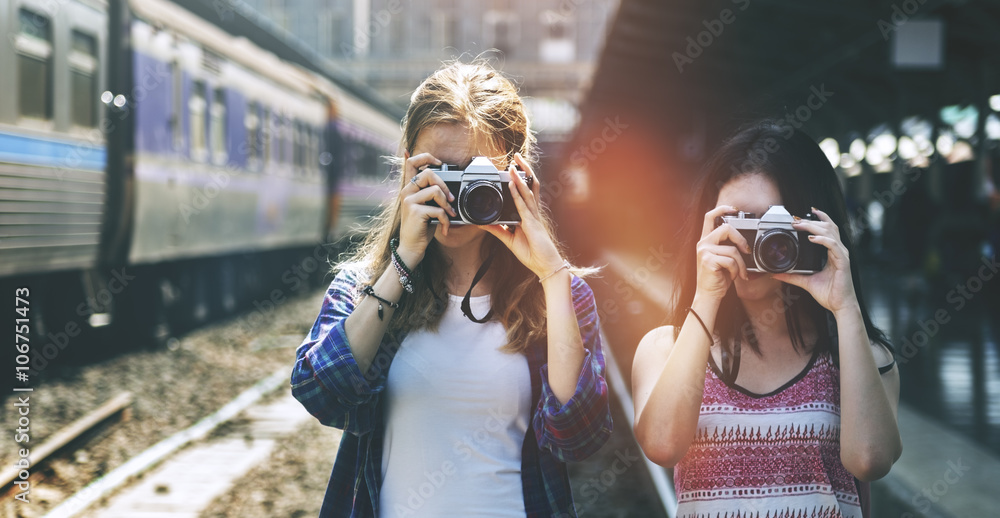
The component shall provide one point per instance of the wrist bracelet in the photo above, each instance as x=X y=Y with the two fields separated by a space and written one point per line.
x=711 y=339
x=405 y=274
x=565 y=265
x=370 y=291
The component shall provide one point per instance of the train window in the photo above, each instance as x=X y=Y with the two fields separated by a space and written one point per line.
x=177 y=110
x=83 y=79
x=317 y=151
x=280 y=129
x=297 y=145
x=218 y=126
x=33 y=45
x=312 y=159
x=267 y=130
x=253 y=145
x=196 y=108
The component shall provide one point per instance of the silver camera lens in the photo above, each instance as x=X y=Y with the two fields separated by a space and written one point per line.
x=481 y=202
x=776 y=251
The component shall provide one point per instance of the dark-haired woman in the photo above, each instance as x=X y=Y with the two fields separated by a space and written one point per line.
x=771 y=394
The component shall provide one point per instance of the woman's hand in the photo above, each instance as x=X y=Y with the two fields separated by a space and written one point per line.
x=719 y=264
x=832 y=287
x=530 y=242
x=415 y=231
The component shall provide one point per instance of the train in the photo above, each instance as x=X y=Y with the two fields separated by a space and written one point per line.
x=161 y=168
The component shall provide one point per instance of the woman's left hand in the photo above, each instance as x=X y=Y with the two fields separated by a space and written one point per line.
x=832 y=287
x=530 y=242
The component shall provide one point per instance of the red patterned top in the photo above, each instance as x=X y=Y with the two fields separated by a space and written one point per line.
x=775 y=454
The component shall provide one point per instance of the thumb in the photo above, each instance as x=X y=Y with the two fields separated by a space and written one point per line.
x=500 y=233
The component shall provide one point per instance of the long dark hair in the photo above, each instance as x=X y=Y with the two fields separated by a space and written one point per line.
x=805 y=179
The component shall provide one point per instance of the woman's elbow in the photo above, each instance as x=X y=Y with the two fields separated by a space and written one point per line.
x=872 y=465
x=660 y=447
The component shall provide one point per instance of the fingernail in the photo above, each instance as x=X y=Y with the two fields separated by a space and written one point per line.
x=451 y=197
x=796 y=219
x=813 y=209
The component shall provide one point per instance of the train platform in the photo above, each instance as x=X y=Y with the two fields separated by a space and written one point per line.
x=950 y=464
x=256 y=453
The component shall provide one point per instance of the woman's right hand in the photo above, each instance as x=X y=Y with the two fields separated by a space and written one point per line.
x=415 y=231
x=719 y=264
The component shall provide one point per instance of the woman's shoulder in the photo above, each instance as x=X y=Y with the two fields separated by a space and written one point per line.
x=659 y=339
x=652 y=352
x=655 y=345
x=883 y=356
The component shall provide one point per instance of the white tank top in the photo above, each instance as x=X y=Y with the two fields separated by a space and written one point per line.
x=456 y=413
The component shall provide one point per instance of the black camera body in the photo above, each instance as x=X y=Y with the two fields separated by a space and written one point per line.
x=775 y=246
x=482 y=194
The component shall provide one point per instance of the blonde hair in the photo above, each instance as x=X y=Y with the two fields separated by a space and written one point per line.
x=478 y=96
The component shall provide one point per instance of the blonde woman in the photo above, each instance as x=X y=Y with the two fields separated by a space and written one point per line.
x=465 y=396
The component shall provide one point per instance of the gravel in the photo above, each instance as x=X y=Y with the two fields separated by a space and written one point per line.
x=172 y=389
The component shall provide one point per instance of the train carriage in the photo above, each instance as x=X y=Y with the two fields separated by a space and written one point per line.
x=144 y=142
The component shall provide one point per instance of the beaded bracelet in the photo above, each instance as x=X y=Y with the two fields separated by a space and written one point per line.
x=405 y=274
x=370 y=291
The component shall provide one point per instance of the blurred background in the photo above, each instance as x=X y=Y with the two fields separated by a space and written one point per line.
x=177 y=176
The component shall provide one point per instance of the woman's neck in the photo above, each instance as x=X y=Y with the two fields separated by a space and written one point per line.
x=768 y=317
x=464 y=263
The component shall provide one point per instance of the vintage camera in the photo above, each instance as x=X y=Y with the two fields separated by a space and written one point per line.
x=482 y=195
x=776 y=247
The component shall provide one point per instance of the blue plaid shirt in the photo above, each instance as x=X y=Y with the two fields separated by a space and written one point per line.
x=330 y=385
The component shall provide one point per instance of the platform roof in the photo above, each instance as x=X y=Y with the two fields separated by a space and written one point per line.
x=771 y=53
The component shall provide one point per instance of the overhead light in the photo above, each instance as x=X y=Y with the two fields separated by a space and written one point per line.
x=945 y=143
x=847 y=161
x=885 y=143
x=874 y=156
x=993 y=127
x=852 y=171
x=924 y=145
x=995 y=102
x=917 y=127
x=907 y=148
x=857 y=149
x=831 y=149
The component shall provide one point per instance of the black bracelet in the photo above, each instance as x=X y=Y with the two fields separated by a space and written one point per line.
x=393 y=244
x=370 y=291
x=405 y=274
x=711 y=340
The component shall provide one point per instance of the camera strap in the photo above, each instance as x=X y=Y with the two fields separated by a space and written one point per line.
x=466 y=305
